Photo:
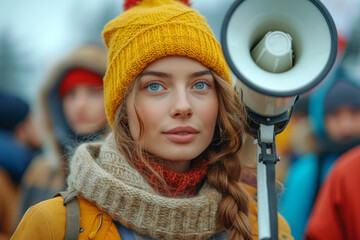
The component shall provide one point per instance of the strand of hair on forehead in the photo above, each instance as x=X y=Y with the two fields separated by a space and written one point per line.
x=130 y=3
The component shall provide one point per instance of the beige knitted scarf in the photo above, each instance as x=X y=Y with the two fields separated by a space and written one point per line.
x=103 y=176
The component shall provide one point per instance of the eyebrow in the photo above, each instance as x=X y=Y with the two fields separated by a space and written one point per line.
x=154 y=73
x=201 y=73
x=162 y=74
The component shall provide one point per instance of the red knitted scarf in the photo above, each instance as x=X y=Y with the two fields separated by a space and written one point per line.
x=178 y=184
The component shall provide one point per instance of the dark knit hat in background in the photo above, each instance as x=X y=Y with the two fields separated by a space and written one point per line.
x=342 y=93
x=13 y=110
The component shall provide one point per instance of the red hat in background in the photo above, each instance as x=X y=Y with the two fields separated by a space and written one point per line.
x=79 y=76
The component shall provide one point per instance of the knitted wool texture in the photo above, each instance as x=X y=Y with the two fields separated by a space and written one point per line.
x=102 y=175
x=178 y=184
x=151 y=30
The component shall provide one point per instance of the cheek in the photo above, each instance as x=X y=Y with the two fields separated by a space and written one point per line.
x=330 y=125
x=68 y=107
x=133 y=125
x=97 y=107
x=357 y=122
x=209 y=114
x=151 y=115
x=132 y=119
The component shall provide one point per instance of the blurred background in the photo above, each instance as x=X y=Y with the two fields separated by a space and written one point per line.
x=34 y=34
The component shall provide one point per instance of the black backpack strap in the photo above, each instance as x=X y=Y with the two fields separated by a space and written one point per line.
x=71 y=203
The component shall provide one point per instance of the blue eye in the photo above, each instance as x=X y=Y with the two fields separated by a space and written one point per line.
x=154 y=87
x=200 y=85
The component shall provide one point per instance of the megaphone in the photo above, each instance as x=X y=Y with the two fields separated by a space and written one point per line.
x=277 y=49
x=266 y=91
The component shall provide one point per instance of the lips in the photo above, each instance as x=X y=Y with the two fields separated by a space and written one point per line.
x=181 y=134
x=82 y=120
x=81 y=117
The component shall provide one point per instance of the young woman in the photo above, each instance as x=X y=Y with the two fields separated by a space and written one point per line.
x=170 y=168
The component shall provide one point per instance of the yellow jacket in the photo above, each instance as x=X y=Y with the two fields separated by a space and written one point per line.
x=47 y=220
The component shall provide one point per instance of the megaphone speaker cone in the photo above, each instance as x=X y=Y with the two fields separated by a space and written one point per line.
x=274 y=52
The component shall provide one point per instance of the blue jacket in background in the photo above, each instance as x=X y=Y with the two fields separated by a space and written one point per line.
x=14 y=156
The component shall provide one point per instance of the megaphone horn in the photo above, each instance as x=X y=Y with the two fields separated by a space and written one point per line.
x=305 y=37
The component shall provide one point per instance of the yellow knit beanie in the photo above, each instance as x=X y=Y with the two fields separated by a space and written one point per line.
x=151 y=30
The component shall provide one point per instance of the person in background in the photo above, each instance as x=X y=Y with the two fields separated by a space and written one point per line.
x=20 y=140
x=19 y=144
x=334 y=111
x=336 y=213
x=72 y=111
x=170 y=168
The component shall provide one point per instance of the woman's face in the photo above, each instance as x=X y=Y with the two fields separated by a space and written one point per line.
x=178 y=104
x=84 y=109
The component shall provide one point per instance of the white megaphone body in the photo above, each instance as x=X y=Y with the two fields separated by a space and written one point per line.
x=271 y=91
x=277 y=49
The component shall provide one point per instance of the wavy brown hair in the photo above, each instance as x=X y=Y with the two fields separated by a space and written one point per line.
x=224 y=163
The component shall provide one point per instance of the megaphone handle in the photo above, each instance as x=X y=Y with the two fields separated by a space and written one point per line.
x=266 y=192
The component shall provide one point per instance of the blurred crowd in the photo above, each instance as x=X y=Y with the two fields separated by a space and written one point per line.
x=33 y=154
x=319 y=149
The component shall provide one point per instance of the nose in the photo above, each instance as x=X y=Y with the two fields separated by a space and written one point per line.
x=181 y=106
x=80 y=101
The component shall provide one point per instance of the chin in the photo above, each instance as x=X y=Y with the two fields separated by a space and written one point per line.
x=182 y=157
x=86 y=129
x=84 y=132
